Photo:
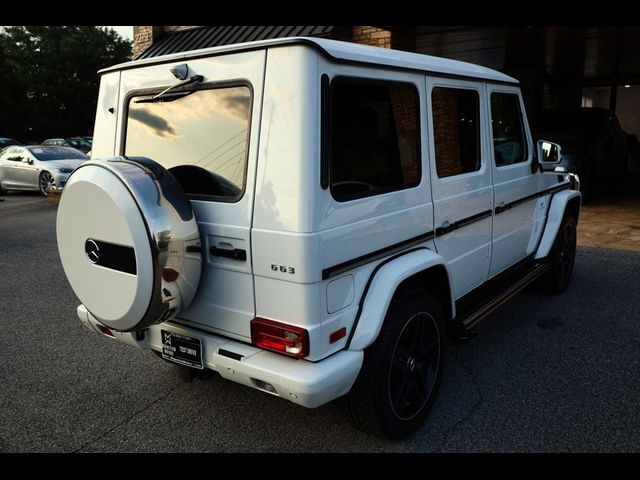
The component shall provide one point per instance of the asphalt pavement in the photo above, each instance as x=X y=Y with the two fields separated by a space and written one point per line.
x=544 y=374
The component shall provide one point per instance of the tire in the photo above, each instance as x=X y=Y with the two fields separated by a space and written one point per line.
x=45 y=183
x=561 y=257
x=378 y=403
x=2 y=191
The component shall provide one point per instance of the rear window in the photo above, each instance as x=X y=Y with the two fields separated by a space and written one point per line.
x=7 y=141
x=201 y=137
x=57 y=153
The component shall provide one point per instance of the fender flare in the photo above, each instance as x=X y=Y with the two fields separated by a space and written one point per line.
x=558 y=206
x=382 y=286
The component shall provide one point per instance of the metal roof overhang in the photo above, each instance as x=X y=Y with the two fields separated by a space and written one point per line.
x=344 y=53
x=215 y=36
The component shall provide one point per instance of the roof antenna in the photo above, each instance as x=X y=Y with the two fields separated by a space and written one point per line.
x=180 y=71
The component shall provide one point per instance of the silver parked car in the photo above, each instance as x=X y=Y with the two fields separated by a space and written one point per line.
x=37 y=167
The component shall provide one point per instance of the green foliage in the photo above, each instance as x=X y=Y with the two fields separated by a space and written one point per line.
x=48 y=78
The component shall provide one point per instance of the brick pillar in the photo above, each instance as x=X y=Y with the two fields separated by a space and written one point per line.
x=367 y=35
x=143 y=37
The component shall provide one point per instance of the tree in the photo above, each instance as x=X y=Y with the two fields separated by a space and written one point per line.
x=49 y=81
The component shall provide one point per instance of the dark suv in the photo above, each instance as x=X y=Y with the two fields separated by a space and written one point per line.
x=5 y=142
x=593 y=145
x=79 y=143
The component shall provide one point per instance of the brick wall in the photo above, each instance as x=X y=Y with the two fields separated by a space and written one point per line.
x=404 y=104
x=446 y=131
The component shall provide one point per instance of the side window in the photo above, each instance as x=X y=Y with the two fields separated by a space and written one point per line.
x=13 y=154
x=456 y=130
x=374 y=145
x=509 y=139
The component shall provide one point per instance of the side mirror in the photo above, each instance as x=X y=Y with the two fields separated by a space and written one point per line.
x=548 y=152
x=27 y=160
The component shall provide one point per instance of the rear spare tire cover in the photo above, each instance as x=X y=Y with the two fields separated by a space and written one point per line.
x=128 y=242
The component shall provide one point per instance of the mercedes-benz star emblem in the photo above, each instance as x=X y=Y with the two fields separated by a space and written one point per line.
x=92 y=251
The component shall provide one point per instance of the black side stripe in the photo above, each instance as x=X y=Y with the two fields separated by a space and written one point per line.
x=343 y=267
x=363 y=297
x=463 y=223
x=520 y=201
x=373 y=256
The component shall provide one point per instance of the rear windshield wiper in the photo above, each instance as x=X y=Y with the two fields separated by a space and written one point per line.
x=165 y=96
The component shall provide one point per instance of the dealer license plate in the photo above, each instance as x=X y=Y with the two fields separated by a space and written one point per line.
x=182 y=349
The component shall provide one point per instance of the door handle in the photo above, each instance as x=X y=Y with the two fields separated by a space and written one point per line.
x=234 y=254
x=445 y=228
x=501 y=208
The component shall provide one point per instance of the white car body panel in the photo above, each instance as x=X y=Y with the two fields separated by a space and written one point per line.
x=384 y=286
x=556 y=213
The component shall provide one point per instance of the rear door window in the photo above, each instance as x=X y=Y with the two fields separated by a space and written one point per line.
x=456 y=130
x=374 y=138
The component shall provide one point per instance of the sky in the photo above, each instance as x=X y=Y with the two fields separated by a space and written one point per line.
x=126 y=32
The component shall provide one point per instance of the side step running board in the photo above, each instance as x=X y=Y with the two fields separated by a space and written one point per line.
x=469 y=321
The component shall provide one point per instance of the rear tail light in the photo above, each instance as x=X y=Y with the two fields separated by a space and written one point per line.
x=280 y=337
x=106 y=331
x=169 y=275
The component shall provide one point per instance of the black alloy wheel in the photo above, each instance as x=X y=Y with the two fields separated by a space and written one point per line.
x=414 y=366
x=402 y=368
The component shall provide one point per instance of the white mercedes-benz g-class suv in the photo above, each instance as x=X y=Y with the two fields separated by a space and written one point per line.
x=312 y=218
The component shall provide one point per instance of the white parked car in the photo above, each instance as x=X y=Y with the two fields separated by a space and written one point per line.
x=37 y=167
x=312 y=218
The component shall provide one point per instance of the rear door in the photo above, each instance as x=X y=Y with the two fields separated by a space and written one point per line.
x=461 y=180
x=208 y=139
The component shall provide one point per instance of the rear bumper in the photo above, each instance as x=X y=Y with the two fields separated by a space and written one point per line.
x=309 y=384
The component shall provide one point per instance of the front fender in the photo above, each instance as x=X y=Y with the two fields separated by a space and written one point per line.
x=554 y=219
x=383 y=287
